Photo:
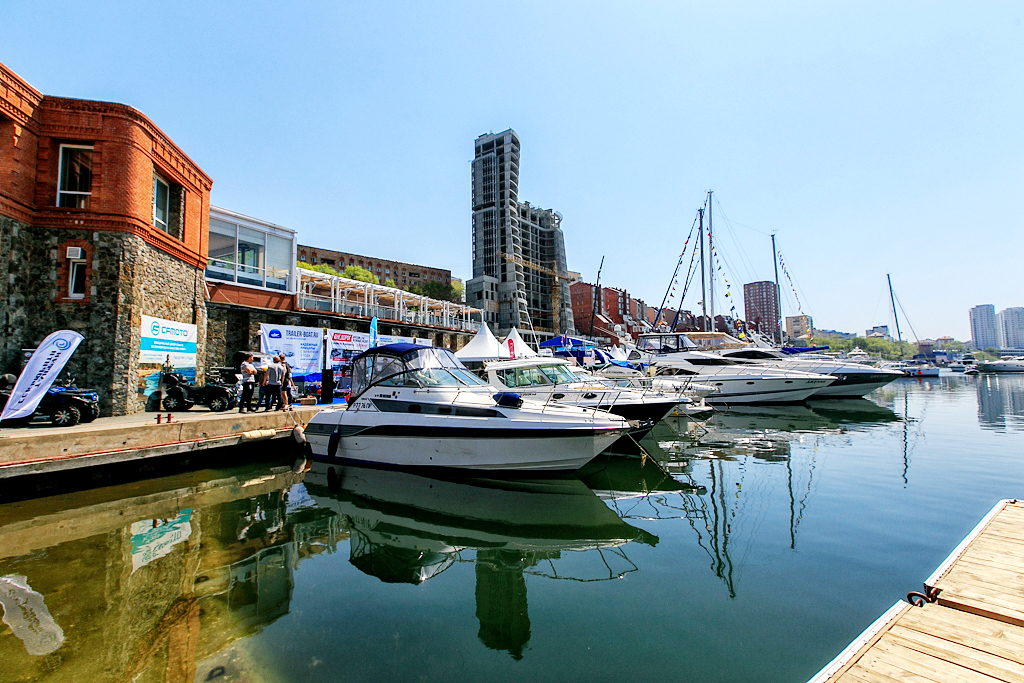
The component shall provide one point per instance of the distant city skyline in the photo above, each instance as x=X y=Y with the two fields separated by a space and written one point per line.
x=871 y=138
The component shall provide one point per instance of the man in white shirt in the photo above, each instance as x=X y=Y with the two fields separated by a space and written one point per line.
x=248 y=385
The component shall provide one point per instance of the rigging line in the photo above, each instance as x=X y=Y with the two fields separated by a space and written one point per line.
x=675 y=273
x=905 y=317
x=742 y=224
x=736 y=240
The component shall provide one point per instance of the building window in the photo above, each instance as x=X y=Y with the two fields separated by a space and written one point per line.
x=161 y=203
x=75 y=177
x=76 y=279
x=249 y=256
x=167 y=206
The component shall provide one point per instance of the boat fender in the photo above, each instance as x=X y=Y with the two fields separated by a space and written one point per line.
x=332 y=444
x=299 y=434
x=508 y=399
x=258 y=435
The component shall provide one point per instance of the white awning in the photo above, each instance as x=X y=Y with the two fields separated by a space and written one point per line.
x=522 y=349
x=484 y=346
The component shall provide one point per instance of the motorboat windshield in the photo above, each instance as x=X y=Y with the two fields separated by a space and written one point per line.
x=409 y=365
x=536 y=375
x=664 y=343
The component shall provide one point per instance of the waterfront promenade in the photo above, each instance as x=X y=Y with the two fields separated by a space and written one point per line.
x=43 y=448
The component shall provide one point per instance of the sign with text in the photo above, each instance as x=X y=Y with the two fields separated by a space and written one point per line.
x=42 y=368
x=302 y=348
x=165 y=344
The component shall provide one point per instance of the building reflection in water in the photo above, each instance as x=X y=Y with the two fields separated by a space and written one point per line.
x=409 y=528
x=1001 y=402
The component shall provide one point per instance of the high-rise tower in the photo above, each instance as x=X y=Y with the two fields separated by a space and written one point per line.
x=516 y=247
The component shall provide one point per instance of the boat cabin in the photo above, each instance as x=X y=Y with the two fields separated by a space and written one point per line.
x=409 y=365
x=531 y=372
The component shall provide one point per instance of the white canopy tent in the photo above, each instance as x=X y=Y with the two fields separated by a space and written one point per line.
x=484 y=346
x=521 y=348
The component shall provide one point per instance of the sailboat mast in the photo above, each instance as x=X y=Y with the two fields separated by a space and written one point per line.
x=711 y=270
x=703 y=277
x=892 y=297
x=597 y=298
x=776 y=326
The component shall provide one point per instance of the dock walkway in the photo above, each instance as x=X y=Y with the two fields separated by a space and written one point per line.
x=970 y=627
x=41 y=449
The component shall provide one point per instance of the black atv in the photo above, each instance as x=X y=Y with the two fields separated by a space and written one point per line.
x=181 y=394
x=64 y=404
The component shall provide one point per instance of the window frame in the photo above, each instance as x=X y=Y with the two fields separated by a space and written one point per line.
x=73 y=266
x=165 y=226
x=60 y=174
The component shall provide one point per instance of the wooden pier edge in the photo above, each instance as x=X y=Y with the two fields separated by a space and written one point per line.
x=849 y=656
x=951 y=559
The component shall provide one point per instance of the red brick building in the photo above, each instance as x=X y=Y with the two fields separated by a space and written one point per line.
x=616 y=308
x=404 y=274
x=103 y=219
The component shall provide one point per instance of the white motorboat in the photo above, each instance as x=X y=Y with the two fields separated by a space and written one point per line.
x=1003 y=365
x=418 y=406
x=737 y=383
x=852 y=380
x=552 y=380
x=921 y=370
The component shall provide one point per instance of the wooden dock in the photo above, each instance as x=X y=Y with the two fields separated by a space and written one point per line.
x=970 y=625
x=42 y=449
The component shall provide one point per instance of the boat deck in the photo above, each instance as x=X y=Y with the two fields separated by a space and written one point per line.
x=972 y=628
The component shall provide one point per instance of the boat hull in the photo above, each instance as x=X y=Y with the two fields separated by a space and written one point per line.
x=1001 y=367
x=856 y=385
x=460 y=447
x=740 y=390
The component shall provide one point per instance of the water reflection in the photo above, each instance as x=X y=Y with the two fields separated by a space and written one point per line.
x=141 y=582
x=1001 y=402
x=408 y=528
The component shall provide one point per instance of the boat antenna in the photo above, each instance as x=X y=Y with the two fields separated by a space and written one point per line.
x=776 y=327
x=703 y=277
x=892 y=297
x=711 y=271
x=597 y=298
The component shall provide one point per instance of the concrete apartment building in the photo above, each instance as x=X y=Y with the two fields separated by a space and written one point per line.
x=984 y=333
x=511 y=292
x=1010 y=328
x=103 y=219
x=798 y=325
x=404 y=274
x=761 y=307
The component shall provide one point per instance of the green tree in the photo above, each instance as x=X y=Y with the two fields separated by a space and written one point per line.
x=360 y=274
x=435 y=290
x=390 y=283
x=457 y=289
x=320 y=268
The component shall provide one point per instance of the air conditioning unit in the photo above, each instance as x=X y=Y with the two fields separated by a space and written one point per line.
x=74 y=252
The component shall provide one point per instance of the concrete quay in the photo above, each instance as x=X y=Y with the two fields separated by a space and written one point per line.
x=42 y=449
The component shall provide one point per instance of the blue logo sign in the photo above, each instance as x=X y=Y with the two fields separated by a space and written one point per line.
x=154 y=329
x=275 y=334
x=62 y=344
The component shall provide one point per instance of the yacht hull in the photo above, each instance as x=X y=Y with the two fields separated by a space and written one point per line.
x=456 y=446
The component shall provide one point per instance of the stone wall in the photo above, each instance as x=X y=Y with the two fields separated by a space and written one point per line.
x=127 y=278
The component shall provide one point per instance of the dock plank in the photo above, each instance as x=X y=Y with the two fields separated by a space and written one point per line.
x=974 y=633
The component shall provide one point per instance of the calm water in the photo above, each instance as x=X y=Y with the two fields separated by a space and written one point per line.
x=767 y=543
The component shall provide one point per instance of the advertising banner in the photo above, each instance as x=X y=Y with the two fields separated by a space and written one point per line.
x=165 y=344
x=42 y=368
x=344 y=346
x=302 y=348
x=154 y=538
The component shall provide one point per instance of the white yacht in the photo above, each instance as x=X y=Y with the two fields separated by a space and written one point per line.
x=418 y=406
x=552 y=380
x=673 y=354
x=852 y=380
x=1004 y=365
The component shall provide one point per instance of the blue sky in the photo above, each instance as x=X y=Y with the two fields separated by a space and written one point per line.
x=872 y=138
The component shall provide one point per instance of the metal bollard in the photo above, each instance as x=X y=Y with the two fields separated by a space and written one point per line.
x=158 y=416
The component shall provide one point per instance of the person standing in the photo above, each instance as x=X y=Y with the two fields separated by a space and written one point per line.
x=272 y=381
x=248 y=385
x=287 y=384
